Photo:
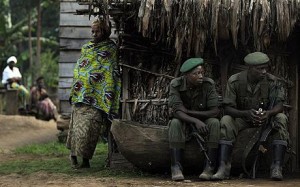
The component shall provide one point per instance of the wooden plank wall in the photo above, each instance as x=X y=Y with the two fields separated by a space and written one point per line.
x=74 y=31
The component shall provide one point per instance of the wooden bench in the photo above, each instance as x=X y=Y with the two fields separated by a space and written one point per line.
x=8 y=101
x=2 y=99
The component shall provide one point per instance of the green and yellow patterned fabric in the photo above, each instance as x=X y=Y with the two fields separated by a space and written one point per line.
x=96 y=79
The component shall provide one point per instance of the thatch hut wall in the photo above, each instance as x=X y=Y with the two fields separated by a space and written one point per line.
x=222 y=32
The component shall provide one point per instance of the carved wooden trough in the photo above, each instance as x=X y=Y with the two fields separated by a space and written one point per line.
x=147 y=147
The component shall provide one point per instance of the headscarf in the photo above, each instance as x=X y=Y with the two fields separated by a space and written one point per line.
x=104 y=25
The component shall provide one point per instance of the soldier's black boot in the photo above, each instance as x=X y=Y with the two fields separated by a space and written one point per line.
x=225 y=161
x=210 y=166
x=176 y=168
x=85 y=163
x=279 y=148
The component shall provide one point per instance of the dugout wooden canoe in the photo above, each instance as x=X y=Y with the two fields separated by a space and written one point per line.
x=147 y=147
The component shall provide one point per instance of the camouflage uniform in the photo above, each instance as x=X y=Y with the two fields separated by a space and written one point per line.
x=240 y=95
x=244 y=97
x=200 y=99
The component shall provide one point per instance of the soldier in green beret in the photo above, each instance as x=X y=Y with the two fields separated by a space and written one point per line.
x=246 y=92
x=193 y=100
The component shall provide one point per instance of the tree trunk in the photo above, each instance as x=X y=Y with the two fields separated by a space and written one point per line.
x=38 y=45
x=30 y=47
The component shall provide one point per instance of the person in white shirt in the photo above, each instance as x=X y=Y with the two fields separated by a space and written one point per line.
x=11 y=78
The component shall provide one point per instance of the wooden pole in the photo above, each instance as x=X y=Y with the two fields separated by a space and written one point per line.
x=293 y=118
x=125 y=94
x=38 y=39
x=146 y=71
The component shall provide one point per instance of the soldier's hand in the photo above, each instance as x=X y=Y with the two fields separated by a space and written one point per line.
x=263 y=117
x=201 y=127
x=254 y=116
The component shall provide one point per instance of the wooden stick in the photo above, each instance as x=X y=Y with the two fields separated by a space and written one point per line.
x=138 y=69
x=143 y=100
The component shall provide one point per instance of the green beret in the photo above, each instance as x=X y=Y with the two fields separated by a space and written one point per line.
x=190 y=64
x=256 y=58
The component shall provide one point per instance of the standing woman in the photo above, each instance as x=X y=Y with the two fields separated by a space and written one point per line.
x=94 y=95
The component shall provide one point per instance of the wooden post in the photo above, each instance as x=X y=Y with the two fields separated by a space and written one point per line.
x=11 y=102
x=110 y=148
x=296 y=119
x=224 y=75
x=293 y=118
x=125 y=94
x=226 y=54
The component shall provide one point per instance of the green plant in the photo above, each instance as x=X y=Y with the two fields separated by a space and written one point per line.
x=49 y=68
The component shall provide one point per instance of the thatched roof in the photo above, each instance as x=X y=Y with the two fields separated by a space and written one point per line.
x=192 y=25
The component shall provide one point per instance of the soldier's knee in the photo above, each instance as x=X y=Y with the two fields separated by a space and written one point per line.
x=226 y=121
x=281 y=118
x=213 y=121
x=175 y=123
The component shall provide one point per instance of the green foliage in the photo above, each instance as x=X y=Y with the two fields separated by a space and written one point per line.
x=54 y=158
x=49 y=68
x=14 y=39
x=50 y=13
x=3 y=16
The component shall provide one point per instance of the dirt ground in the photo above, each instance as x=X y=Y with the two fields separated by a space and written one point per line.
x=17 y=131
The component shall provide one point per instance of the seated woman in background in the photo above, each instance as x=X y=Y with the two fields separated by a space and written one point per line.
x=11 y=79
x=40 y=103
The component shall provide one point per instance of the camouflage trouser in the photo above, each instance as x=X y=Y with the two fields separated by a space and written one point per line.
x=230 y=127
x=179 y=133
x=86 y=125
